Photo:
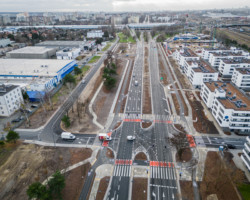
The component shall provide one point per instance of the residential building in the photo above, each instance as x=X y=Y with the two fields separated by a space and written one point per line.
x=68 y=53
x=133 y=20
x=35 y=74
x=95 y=34
x=214 y=58
x=229 y=106
x=241 y=78
x=32 y=52
x=10 y=99
x=5 y=42
x=199 y=71
x=183 y=55
x=246 y=153
x=227 y=66
x=206 y=51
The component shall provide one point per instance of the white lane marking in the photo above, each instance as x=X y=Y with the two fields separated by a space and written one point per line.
x=174 y=174
x=115 y=171
x=170 y=173
x=166 y=173
x=118 y=171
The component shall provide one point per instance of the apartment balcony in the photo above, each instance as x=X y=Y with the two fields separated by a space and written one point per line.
x=240 y=127
x=236 y=115
x=246 y=161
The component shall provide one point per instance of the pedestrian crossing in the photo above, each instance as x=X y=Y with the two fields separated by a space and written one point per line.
x=122 y=170
x=162 y=173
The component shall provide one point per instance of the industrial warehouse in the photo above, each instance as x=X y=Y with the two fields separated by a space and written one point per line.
x=36 y=74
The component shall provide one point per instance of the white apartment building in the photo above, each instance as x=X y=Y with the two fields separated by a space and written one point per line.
x=241 y=78
x=10 y=99
x=199 y=71
x=246 y=153
x=133 y=20
x=229 y=106
x=214 y=58
x=183 y=55
x=68 y=53
x=206 y=51
x=227 y=66
x=95 y=34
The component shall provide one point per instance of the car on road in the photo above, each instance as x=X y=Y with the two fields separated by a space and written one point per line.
x=231 y=146
x=83 y=81
x=67 y=136
x=16 y=120
x=130 y=137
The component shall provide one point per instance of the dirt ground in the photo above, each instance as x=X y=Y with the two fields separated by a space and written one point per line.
x=187 y=190
x=139 y=188
x=203 y=124
x=146 y=109
x=74 y=182
x=163 y=71
x=146 y=124
x=216 y=179
x=141 y=156
x=110 y=153
x=185 y=156
x=81 y=119
x=30 y=163
x=180 y=128
x=183 y=101
x=105 y=98
x=176 y=104
x=181 y=77
x=104 y=182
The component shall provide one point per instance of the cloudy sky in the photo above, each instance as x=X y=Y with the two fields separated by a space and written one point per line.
x=116 y=5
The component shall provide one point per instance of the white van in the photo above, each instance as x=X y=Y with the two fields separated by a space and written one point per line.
x=67 y=136
x=136 y=83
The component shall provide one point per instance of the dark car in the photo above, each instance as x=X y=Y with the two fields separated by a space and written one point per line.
x=231 y=146
x=16 y=120
x=34 y=106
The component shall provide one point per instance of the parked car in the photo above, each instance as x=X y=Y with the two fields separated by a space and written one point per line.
x=231 y=146
x=83 y=81
x=34 y=106
x=130 y=138
x=16 y=120
x=67 y=136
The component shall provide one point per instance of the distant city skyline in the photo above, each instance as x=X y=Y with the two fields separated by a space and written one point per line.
x=116 y=5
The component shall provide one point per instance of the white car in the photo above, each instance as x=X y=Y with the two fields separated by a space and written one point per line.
x=83 y=81
x=130 y=137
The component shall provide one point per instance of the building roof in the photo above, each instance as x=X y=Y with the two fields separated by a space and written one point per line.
x=224 y=54
x=188 y=53
x=203 y=67
x=245 y=71
x=233 y=96
x=67 y=50
x=4 y=89
x=31 y=67
x=31 y=50
x=236 y=60
x=60 y=43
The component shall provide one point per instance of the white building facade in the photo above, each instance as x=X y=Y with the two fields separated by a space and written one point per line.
x=5 y=42
x=68 y=53
x=241 y=78
x=227 y=66
x=95 y=34
x=11 y=99
x=246 y=154
x=184 y=55
x=228 y=105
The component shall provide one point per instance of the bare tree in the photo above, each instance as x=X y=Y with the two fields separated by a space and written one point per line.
x=178 y=141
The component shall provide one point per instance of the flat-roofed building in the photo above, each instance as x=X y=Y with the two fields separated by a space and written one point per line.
x=227 y=66
x=229 y=106
x=199 y=71
x=11 y=99
x=95 y=34
x=206 y=51
x=241 y=78
x=35 y=74
x=32 y=52
x=68 y=53
x=214 y=58
x=183 y=55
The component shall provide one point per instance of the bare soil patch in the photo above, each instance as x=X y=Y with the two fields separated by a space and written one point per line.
x=74 y=182
x=141 y=156
x=181 y=77
x=117 y=125
x=186 y=155
x=227 y=132
x=176 y=104
x=30 y=163
x=146 y=124
x=203 y=124
x=187 y=190
x=139 y=188
x=104 y=182
x=110 y=153
x=163 y=71
x=146 y=108
x=180 y=128
x=198 y=94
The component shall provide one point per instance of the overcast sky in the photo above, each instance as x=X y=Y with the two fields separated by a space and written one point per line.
x=116 y=5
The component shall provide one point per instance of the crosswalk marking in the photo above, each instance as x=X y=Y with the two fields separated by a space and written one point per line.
x=162 y=173
x=122 y=168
